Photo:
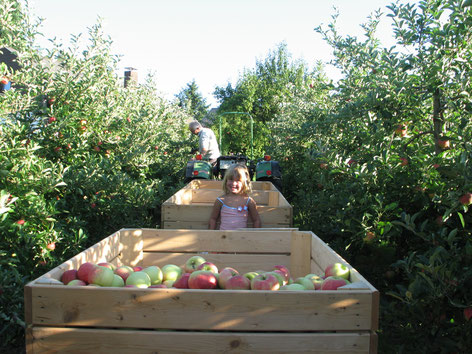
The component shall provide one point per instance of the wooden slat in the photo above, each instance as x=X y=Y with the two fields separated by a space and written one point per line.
x=105 y=341
x=214 y=184
x=216 y=241
x=203 y=225
x=316 y=269
x=243 y=263
x=257 y=311
x=300 y=259
x=210 y=195
x=131 y=246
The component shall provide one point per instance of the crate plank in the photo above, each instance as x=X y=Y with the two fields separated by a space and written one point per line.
x=300 y=246
x=71 y=340
x=131 y=246
x=200 y=225
x=202 y=309
x=242 y=263
x=216 y=241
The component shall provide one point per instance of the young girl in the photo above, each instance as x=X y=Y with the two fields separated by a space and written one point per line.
x=234 y=207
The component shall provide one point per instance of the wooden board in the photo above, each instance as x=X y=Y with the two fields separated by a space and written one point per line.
x=105 y=341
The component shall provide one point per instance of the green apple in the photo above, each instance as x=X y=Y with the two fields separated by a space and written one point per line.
x=140 y=279
x=315 y=279
x=117 y=282
x=305 y=282
x=337 y=270
x=155 y=273
x=171 y=272
x=293 y=287
x=251 y=275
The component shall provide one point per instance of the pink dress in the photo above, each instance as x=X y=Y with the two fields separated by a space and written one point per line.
x=233 y=218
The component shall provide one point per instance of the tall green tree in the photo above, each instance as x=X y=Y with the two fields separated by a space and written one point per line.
x=192 y=101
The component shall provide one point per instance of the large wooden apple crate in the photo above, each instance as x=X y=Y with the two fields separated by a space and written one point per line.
x=67 y=319
x=191 y=206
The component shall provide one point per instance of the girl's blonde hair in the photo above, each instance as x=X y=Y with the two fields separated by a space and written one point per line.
x=238 y=171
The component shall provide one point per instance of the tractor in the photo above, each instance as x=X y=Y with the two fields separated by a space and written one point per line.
x=262 y=169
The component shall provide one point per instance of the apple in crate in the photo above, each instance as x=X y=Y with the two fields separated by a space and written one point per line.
x=77 y=282
x=305 y=282
x=137 y=268
x=293 y=287
x=84 y=270
x=158 y=286
x=280 y=277
x=182 y=282
x=102 y=276
x=124 y=271
x=265 y=282
x=108 y=265
x=337 y=270
x=316 y=280
x=238 y=282
x=68 y=276
x=209 y=267
x=155 y=273
x=202 y=279
x=284 y=270
x=192 y=263
x=224 y=275
x=251 y=275
x=333 y=283
x=171 y=272
x=140 y=279
x=117 y=282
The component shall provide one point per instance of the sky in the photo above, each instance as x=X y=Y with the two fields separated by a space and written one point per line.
x=209 y=41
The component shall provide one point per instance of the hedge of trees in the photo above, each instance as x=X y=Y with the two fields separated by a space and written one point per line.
x=382 y=157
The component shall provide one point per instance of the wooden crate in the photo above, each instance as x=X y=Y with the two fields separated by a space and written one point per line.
x=67 y=319
x=191 y=206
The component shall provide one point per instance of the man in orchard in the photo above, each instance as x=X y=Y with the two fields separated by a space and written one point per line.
x=207 y=143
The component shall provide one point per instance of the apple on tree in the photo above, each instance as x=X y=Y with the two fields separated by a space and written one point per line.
x=192 y=263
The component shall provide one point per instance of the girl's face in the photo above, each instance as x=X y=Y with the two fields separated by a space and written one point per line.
x=235 y=184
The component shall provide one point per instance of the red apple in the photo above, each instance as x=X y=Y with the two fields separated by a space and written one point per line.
x=84 y=270
x=225 y=274
x=208 y=266
x=124 y=271
x=285 y=271
x=466 y=199
x=192 y=263
x=108 y=265
x=279 y=275
x=68 y=276
x=337 y=269
x=468 y=313
x=316 y=280
x=404 y=161
x=182 y=282
x=401 y=130
x=333 y=282
x=265 y=282
x=238 y=282
x=444 y=144
x=4 y=80
x=102 y=276
x=202 y=279
x=137 y=268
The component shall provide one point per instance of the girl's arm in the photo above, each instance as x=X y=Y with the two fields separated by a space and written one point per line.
x=215 y=213
x=254 y=214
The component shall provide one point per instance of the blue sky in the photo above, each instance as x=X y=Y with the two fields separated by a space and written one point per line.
x=211 y=41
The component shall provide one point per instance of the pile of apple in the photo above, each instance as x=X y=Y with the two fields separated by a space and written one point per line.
x=198 y=273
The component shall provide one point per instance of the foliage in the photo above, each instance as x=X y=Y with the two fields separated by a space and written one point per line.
x=192 y=101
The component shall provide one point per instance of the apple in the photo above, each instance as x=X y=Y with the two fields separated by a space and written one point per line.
x=69 y=275
x=202 y=279
x=225 y=274
x=316 y=280
x=238 y=282
x=466 y=199
x=102 y=276
x=251 y=275
x=124 y=271
x=305 y=282
x=208 y=266
x=137 y=268
x=404 y=161
x=265 y=282
x=4 y=80
x=280 y=277
x=192 y=263
x=108 y=265
x=337 y=269
x=76 y=282
x=285 y=271
x=158 y=286
x=140 y=279
x=117 y=282
x=333 y=282
x=182 y=282
x=444 y=144
x=468 y=313
x=84 y=270
x=401 y=130
x=293 y=287
x=155 y=273
x=171 y=272
x=169 y=283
